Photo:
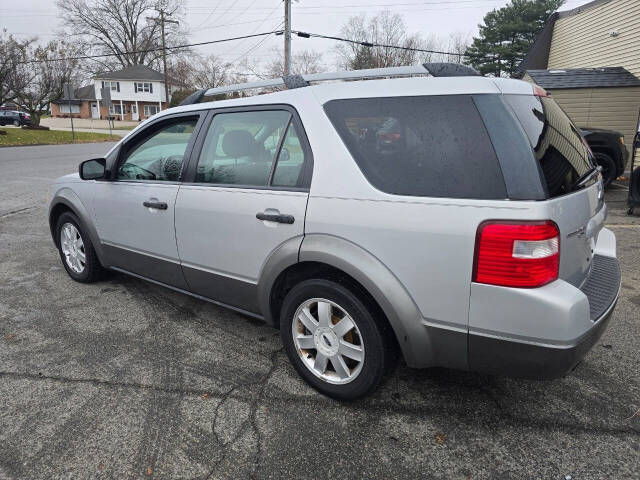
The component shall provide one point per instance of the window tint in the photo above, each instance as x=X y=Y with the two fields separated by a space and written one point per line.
x=288 y=170
x=160 y=156
x=240 y=148
x=423 y=146
x=557 y=144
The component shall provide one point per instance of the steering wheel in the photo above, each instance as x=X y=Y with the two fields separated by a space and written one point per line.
x=130 y=168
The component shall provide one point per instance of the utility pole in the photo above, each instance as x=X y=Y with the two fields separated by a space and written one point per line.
x=287 y=37
x=163 y=20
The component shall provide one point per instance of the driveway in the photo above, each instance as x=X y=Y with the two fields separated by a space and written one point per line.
x=126 y=379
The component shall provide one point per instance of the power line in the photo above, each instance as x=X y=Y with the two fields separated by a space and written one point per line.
x=87 y=57
x=381 y=45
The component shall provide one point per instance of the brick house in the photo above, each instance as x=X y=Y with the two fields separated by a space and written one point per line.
x=137 y=92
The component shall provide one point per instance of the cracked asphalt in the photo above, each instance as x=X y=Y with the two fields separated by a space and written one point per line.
x=125 y=379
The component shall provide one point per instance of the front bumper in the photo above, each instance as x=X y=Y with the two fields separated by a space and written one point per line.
x=553 y=355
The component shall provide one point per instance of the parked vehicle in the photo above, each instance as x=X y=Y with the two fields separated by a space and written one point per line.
x=458 y=220
x=609 y=151
x=15 y=118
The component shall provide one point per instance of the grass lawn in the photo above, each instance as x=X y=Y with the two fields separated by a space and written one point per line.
x=19 y=136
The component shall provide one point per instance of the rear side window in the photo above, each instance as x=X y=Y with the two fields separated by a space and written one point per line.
x=557 y=144
x=432 y=146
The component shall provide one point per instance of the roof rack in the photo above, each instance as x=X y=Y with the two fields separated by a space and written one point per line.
x=299 y=81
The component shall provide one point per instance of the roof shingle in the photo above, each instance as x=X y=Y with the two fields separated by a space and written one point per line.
x=134 y=72
x=584 y=78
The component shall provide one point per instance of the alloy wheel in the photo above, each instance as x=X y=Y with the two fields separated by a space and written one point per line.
x=328 y=341
x=73 y=247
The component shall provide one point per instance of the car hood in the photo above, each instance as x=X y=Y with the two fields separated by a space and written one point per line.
x=70 y=178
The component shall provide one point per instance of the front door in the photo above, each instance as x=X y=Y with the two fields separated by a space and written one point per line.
x=94 y=111
x=243 y=197
x=134 y=113
x=135 y=211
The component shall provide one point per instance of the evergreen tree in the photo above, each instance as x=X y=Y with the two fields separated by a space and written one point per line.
x=507 y=34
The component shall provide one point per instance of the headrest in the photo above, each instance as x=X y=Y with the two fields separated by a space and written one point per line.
x=239 y=143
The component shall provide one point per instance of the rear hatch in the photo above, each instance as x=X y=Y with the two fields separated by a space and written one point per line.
x=572 y=186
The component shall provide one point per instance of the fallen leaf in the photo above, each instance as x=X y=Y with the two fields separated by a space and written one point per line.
x=101 y=467
x=440 y=438
x=204 y=397
x=149 y=471
x=11 y=336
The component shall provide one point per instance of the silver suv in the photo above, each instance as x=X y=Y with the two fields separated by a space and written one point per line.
x=455 y=220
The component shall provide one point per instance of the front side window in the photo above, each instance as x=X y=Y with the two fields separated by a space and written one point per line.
x=160 y=156
x=558 y=146
x=241 y=148
x=432 y=146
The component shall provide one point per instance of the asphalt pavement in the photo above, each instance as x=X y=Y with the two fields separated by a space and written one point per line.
x=125 y=379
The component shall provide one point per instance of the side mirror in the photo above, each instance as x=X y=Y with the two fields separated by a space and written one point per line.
x=93 y=169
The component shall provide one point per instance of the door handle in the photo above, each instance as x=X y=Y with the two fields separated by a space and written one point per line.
x=275 y=217
x=157 y=205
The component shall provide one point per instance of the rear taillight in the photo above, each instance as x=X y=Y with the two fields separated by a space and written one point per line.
x=517 y=254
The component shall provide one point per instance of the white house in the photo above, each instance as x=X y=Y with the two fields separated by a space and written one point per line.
x=137 y=92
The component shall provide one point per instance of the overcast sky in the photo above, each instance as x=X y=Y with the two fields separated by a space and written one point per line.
x=215 y=19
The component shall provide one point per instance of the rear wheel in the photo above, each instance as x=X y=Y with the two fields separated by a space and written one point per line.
x=76 y=250
x=333 y=339
x=608 y=167
x=16 y=123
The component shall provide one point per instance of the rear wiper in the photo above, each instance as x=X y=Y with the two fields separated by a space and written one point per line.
x=586 y=177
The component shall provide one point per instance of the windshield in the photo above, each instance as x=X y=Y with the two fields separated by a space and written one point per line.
x=559 y=148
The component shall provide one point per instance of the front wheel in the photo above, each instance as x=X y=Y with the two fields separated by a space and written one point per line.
x=333 y=339
x=76 y=250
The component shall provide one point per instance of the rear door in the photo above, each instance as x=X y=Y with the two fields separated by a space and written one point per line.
x=563 y=160
x=135 y=210
x=245 y=195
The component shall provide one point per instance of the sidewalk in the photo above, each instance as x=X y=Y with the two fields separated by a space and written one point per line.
x=89 y=124
x=115 y=133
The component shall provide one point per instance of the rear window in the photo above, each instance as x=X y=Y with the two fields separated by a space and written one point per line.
x=557 y=144
x=432 y=146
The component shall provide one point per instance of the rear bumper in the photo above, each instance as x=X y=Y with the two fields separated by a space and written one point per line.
x=580 y=314
x=529 y=360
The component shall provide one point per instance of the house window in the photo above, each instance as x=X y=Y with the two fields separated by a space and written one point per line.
x=143 y=87
x=64 y=108
x=114 y=86
x=115 y=109
x=150 y=110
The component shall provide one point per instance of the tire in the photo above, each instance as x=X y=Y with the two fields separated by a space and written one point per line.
x=88 y=271
x=16 y=123
x=367 y=335
x=609 y=168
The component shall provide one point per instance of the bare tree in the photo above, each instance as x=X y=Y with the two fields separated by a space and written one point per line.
x=12 y=52
x=456 y=43
x=210 y=72
x=304 y=62
x=386 y=29
x=43 y=75
x=121 y=28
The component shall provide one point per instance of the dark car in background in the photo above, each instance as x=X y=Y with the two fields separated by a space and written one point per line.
x=609 y=150
x=15 y=118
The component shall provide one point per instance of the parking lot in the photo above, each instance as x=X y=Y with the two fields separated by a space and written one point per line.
x=125 y=379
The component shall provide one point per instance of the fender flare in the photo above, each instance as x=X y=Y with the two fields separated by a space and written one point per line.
x=70 y=199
